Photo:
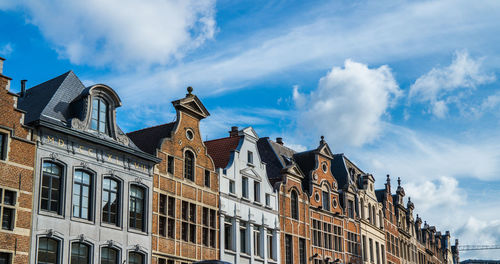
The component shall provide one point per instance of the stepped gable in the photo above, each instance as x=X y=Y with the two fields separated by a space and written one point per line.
x=220 y=150
x=149 y=139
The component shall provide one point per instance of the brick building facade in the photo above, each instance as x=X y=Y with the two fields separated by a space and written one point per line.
x=186 y=193
x=17 y=160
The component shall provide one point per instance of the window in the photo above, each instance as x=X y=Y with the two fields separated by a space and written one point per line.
x=326 y=200
x=99 y=115
x=80 y=253
x=316 y=230
x=189 y=165
x=231 y=186
x=364 y=248
x=350 y=209
x=48 y=251
x=51 y=187
x=352 y=243
x=337 y=237
x=188 y=222
x=372 y=259
x=302 y=251
x=288 y=249
x=135 y=258
x=257 y=243
x=207 y=178
x=111 y=201
x=268 y=199
x=327 y=234
x=137 y=207
x=382 y=252
x=378 y=252
x=256 y=191
x=244 y=187
x=5 y=258
x=270 y=244
x=228 y=233
x=170 y=164
x=166 y=225
x=209 y=227
x=7 y=208
x=294 y=205
x=250 y=157
x=3 y=146
x=82 y=191
x=243 y=237
x=109 y=256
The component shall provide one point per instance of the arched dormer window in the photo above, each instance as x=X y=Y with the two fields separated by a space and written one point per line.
x=99 y=117
x=325 y=197
x=294 y=204
x=189 y=165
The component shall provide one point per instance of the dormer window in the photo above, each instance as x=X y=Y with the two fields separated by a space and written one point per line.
x=99 y=120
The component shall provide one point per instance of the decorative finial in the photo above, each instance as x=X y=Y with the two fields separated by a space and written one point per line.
x=399 y=182
x=322 y=137
x=190 y=90
x=409 y=199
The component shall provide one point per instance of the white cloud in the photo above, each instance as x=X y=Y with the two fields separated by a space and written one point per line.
x=349 y=103
x=442 y=193
x=119 y=33
x=6 y=49
x=439 y=86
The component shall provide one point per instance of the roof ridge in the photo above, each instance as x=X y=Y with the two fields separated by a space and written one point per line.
x=40 y=84
x=219 y=139
x=146 y=128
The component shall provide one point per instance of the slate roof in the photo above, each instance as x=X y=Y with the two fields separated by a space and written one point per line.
x=49 y=101
x=276 y=157
x=149 y=139
x=380 y=195
x=220 y=150
x=339 y=170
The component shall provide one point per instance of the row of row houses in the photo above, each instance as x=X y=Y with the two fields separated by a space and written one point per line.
x=75 y=188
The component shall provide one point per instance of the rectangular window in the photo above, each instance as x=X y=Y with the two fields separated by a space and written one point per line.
x=243 y=237
x=228 y=233
x=364 y=248
x=350 y=209
x=257 y=241
x=3 y=146
x=52 y=179
x=166 y=225
x=7 y=208
x=209 y=226
x=244 y=187
x=288 y=249
x=302 y=251
x=5 y=258
x=372 y=259
x=188 y=222
x=207 y=178
x=352 y=243
x=170 y=164
x=377 y=252
x=270 y=244
x=256 y=191
x=337 y=234
x=268 y=199
x=250 y=157
x=326 y=201
x=231 y=186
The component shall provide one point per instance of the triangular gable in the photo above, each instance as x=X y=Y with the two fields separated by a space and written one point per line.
x=249 y=131
x=193 y=105
x=293 y=170
x=250 y=172
x=325 y=150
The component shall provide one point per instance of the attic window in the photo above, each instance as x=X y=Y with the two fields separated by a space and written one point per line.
x=99 y=120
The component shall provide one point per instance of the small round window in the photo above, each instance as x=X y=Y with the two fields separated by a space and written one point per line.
x=324 y=167
x=189 y=134
x=316 y=197
x=334 y=203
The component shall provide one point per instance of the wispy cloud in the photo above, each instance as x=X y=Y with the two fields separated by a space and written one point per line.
x=444 y=85
x=6 y=49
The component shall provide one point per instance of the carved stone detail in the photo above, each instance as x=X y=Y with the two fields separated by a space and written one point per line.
x=77 y=124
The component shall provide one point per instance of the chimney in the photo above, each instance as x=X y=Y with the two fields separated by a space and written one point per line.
x=1 y=65
x=23 y=87
x=234 y=131
x=279 y=140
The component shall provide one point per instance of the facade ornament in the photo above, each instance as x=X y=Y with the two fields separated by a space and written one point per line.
x=190 y=91
x=85 y=165
x=78 y=124
x=138 y=179
x=137 y=247
x=50 y=232
x=81 y=237
x=123 y=139
x=53 y=156
x=110 y=243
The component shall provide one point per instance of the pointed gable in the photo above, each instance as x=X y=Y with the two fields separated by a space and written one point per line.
x=192 y=105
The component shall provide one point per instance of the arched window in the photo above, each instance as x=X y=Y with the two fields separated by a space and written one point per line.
x=109 y=255
x=374 y=219
x=82 y=194
x=137 y=207
x=80 y=253
x=135 y=258
x=99 y=120
x=381 y=222
x=294 y=205
x=111 y=201
x=189 y=165
x=325 y=197
x=52 y=180
x=48 y=251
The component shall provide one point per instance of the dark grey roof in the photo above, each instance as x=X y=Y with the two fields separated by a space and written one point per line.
x=380 y=195
x=49 y=101
x=276 y=157
x=307 y=162
x=149 y=139
x=339 y=171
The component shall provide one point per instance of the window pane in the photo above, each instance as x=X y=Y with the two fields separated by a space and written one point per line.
x=136 y=207
x=109 y=256
x=135 y=258
x=9 y=197
x=48 y=251
x=8 y=218
x=5 y=258
x=79 y=253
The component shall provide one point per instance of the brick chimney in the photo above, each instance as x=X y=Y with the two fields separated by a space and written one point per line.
x=23 y=87
x=279 y=140
x=1 y=65
x=233 y=132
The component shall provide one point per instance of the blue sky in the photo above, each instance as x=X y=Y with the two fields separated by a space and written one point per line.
x=407 y=88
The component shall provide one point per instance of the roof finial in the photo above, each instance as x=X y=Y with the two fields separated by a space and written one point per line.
x=190 y=90
x=322 y=140
x=399 y=182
